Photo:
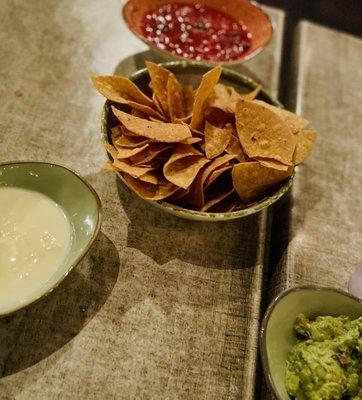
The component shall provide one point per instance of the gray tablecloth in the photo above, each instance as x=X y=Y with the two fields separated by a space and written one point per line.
x=161 y=307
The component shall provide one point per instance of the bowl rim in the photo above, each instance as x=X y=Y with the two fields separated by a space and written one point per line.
x=262 y=334
x=183 y=63
x=252 y=208
x=82 y=254
x=242 y=59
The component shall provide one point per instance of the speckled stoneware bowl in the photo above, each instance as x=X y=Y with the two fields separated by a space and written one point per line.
x=245 y=11
x=76 y=197
x=191 y=73
x=277 y=335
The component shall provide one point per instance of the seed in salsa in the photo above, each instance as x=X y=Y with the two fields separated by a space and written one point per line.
x=196 y=31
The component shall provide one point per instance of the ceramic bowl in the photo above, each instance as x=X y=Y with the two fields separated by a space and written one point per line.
x=191 y=73
x=277 y=335
x=244 y=11
x=77 y=198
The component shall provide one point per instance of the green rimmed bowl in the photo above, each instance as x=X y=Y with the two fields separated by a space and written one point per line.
x=190 y=73
x=277 y=335
x=76 y=197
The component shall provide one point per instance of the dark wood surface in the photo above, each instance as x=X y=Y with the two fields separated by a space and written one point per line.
x=345 y=15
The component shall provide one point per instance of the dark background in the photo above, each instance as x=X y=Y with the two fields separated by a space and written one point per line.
x=345 y=15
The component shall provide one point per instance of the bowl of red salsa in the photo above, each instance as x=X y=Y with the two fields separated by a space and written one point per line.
x=213 y=31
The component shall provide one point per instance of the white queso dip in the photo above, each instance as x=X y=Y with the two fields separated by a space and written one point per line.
x=35 y=237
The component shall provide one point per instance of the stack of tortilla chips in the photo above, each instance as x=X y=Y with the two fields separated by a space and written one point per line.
x=210 y=149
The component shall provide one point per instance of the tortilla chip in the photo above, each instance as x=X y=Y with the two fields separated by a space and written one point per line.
x=126 y=166
x=175 y=98
x=159 y=77
x=223 y=98
x=139 y=113
x=270 y=163
x=305 y=143
x=220 y=184
x=294 y=121
x=218 y=163
x=262 y=133
x=184 y=150
x=116 y=132
x=184 y=120
x=188 y=100
x=183 y=172
x=251 y=95
x=232 y=125
x=118 y=89
x=251 y=179
x=150 y=191
x=160 y=131
x=234 y=148
x=191 y=140
x=110 y=150
x=142 y=111
x=196 y=132
x=127 y=152
x=156 y=119
x=183 y=166
x=196 y=195
x=109 y=167
x=218 y=117
x=215 y=174
x=208 y=81
x=149 y=177
x=128 y=133
x=216 y=140
x=157 y=104
x=149 y=154
x=154 y=164
x=217 y=199
x=130 y=141
x=179 y=194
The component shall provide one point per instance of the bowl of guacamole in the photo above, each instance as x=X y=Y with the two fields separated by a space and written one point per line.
x=311 y=345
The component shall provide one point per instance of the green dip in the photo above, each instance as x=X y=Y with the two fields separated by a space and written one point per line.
x=326 y=362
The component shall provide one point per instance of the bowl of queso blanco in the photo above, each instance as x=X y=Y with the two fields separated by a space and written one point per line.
x=49 y=219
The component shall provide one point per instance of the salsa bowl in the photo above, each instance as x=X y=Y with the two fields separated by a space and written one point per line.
x=246 y=12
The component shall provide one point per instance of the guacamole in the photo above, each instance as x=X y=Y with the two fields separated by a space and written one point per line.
x=326 y=362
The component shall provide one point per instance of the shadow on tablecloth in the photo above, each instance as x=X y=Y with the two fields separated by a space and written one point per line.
x=164 y=237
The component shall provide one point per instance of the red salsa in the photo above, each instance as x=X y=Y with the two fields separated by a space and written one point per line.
x=196 y=31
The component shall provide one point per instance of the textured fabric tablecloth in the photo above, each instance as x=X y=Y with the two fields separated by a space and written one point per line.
x=161 y=308
x=316 y=231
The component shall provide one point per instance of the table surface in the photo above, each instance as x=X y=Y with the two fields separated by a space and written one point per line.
x=163 y=308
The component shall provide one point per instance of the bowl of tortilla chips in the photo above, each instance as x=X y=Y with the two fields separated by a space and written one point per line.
x=201 y=143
